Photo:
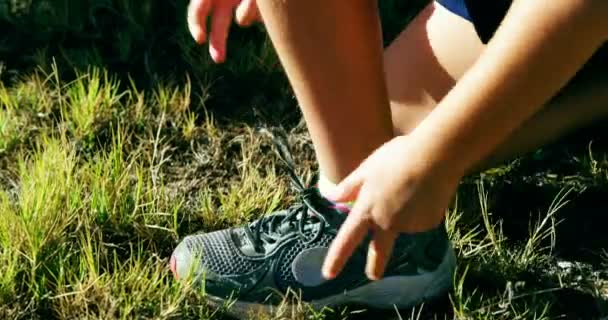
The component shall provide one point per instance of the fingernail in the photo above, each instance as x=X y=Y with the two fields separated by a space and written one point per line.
x=327 y=274
x=369 y=274
x=216 y=55
x=197 y=34
x=372 y=274
x=200 y=38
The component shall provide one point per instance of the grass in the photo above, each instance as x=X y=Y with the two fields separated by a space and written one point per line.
x=118 y=139
x=100 y=179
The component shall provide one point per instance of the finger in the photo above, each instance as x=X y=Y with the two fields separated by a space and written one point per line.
x=246 y=13
x=379 y=253
x=220 y=24
x=198 y=11
x=349 y=188
x=349 y=237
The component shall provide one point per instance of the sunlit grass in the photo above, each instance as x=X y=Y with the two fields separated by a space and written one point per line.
x=114 y=145
x=100 y=179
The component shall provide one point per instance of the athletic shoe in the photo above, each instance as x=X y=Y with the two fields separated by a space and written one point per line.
x=257 y=264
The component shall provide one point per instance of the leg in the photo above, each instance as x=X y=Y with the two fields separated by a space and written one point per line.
x=332 y=53
x=427 y=59
x=581 y=103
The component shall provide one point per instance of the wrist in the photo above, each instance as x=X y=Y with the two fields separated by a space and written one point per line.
x=437 y=157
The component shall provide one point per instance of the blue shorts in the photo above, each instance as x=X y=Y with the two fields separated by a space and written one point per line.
x=484 y=14
x=458 y=7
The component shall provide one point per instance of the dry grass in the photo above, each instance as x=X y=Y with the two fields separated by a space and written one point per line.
x=118 y=139
x=100 y=179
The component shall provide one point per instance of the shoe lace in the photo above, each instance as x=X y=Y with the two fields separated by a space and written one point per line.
x=301 y=214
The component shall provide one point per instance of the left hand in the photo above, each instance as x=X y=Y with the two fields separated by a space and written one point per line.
x=220 y=12
x=398 y=189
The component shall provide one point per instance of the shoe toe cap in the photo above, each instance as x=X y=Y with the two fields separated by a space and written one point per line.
x=184 y=262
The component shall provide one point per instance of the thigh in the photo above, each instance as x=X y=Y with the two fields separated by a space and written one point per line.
x=425 y=61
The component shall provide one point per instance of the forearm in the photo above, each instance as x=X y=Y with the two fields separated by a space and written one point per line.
x=537 y=50
x=331 y=51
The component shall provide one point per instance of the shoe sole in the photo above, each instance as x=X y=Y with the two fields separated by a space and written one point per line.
x=401 y=292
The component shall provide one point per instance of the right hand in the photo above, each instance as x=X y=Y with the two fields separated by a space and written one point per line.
x=220 y=11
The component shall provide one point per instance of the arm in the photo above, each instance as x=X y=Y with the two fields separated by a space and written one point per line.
x=406 y=185
x=537 y=50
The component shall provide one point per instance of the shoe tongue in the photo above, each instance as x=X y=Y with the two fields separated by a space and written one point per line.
x=286 y=227
x=322 y=205
x=291 y=226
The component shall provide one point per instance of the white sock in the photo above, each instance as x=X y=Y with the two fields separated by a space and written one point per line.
x=326 y=187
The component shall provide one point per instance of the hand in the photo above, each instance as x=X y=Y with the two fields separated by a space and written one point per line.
x=397 y=190
x=198 y=12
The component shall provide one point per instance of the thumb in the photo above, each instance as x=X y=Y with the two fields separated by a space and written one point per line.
x=348 y=189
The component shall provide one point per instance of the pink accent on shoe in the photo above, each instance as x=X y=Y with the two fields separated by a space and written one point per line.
x=341 y=207
x=325 y=188
x=173 y=267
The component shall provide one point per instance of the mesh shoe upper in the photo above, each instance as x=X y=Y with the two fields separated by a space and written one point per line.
x=221 y=256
